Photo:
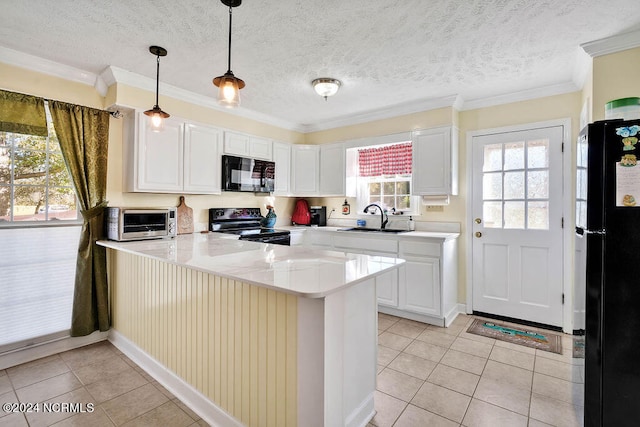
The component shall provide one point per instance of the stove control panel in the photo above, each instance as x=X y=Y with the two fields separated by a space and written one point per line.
x=220 y=214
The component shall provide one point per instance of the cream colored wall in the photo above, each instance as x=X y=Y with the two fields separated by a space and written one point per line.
x=143 y=100
x=422 y=120
x=30 y=82
x=615 y=76
x=537 y=110
x=587 y=94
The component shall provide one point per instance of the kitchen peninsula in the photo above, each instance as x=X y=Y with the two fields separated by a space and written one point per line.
x=249 y=333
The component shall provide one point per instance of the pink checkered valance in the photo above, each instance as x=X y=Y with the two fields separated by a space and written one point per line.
x=388 y=160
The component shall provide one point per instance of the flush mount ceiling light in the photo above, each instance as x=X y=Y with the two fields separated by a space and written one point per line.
x=326 y=87
x=156 y=113
x=230 y=85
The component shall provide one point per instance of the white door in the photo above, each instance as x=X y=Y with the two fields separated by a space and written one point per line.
x=517 y=224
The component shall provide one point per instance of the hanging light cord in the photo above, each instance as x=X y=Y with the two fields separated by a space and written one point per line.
x=229 y=58
x=157 y=81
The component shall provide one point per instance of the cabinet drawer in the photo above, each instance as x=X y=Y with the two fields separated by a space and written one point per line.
x=420 y=248
x=368 y=244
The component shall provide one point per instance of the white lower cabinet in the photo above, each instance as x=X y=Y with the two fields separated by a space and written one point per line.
x=387 y=288
x=420 y=285
x=425 y=288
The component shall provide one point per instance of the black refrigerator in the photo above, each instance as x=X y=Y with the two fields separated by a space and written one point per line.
x=608 y=228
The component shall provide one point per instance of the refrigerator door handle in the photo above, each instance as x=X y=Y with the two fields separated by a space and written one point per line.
x=596 y=232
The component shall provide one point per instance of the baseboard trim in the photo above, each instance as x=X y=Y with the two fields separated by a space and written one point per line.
x=196 y=401
x=48 y=348
x=361 y=416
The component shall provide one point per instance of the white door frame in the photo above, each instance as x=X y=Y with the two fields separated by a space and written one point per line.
x=567 y=212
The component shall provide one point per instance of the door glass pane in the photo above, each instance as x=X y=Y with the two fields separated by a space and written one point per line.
x=538 y=154
x=492 y=186
x=513 y=185
x=492 y=214
x=538 y=215
x=538 y=185
x=514 y=215
x=514 y=155
x=492 y=157
x=581 y=184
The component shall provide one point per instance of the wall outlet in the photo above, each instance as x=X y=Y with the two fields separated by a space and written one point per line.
x=435 y=208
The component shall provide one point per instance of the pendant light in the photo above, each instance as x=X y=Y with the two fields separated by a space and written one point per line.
x=228 y=84
x=326 y=86
x=156 y=113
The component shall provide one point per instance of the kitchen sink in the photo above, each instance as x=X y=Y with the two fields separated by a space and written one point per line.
x=375 y=230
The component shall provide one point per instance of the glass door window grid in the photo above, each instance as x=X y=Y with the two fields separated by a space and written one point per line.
x=516 y=185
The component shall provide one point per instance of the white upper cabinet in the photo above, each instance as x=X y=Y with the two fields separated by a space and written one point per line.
x=183 y=158
x=282 y=159
x=201 y=173
x=238 y=144
x=435 y=162
x=305 y=177
x=332 y=170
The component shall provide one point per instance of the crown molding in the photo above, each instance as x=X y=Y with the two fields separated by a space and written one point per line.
x=45 y=66
x=612 y=44
x=385 y=113
x=113 y=75
x=524 y=95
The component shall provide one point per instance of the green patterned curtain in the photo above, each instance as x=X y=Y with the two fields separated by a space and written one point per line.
x=84 y=137
x=20 y=113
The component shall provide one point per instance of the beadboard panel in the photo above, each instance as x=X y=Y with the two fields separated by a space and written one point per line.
x=234 y=342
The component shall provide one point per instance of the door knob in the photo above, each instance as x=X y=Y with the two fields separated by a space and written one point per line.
x=478 y=234
x=478 y=220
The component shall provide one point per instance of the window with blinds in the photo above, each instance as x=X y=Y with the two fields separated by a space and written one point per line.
x=39 y=231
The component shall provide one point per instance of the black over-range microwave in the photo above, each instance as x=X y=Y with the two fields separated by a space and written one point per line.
x=244 y=174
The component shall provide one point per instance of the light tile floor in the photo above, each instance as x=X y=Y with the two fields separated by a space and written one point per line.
x=427 y=376
x=121 y=392
x=431 y=376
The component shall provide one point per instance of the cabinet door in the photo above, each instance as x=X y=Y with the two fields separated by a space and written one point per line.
x=305 y=161
x=159 y=157
x=387 y=288
x=435 y=162
x=202 y=159
x=419 y=286
x=260 y=148
x=282 y=159
x=386 y=283
x=332 y=170
x=236 y=144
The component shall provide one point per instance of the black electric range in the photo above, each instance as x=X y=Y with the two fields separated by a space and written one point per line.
x=245 y=222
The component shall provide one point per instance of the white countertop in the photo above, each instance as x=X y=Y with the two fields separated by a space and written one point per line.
x=298 y=270
x=410 y=234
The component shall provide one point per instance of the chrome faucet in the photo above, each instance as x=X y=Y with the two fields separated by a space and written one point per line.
x=383 y=221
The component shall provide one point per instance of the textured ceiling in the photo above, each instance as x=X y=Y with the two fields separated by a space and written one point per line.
x=386 y=53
